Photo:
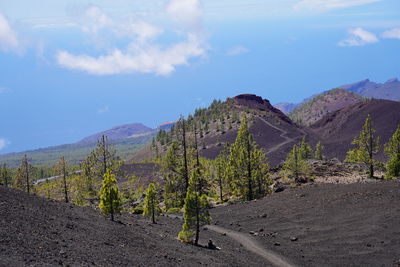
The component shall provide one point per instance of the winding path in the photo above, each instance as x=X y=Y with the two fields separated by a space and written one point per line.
x=252 y=245
x=247 y=242
x=283 y=135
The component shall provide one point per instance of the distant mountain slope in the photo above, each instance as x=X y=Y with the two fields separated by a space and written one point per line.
x=74 y=153
x=120 y=132
x=338 y=129
x=315 y=108
x=126 y=139
x=389 y=90
x=286 y=107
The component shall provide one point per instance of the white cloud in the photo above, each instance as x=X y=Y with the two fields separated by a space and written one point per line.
x=104 y=109
x=330 y=4
x=142 y=54
x=3 y=143
x=237 y=50
x=392 y=34
x=3 y=89
x=359 y=37
x=142 y=30
x=8 y=37
x=54 y=25
x=94 y=20
x=188 y=13
x=138 y=58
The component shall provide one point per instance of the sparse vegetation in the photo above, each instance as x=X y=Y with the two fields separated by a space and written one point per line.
x=367 y=145
x=248 y=166
x=110 y=199
x=195 y=211
x=296 y=166
x=392 y=150
x=4 y=175
x=151 y=203
x=61 y=169
x=315 y=108
x=22 y=179
x=318 y=151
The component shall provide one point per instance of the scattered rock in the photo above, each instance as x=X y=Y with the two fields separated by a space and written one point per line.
x=277 y=244
x=279 y=187
x=293 y=238
x=263 y=215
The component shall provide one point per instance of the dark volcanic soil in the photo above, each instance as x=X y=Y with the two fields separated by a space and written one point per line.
x=338 y=129
x=334 y=224
x=331 y=225
x=41 y=232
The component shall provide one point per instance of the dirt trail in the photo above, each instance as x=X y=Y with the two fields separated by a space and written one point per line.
x=252 y=245
x=247 y=242
x=283 y=135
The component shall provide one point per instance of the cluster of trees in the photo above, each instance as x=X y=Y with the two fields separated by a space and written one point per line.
x=5 y=175
x=296 y=165
x=219 y=117
x=367 y=145
x=242 y=169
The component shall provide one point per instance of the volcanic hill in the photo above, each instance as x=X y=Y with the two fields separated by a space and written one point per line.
x=338 y=129
x=315 y=108
x=271 y=128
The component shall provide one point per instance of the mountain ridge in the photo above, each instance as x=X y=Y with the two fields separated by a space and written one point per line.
x=389 y=90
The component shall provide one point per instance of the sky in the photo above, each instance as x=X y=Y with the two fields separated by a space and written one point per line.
x=71 y=68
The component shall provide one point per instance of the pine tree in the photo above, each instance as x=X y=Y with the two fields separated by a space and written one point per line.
x=22 y=180
x=296 y=165
x=4 y=175
x=185 y=160
x=88 y=174
x=195 y=212
x=110 y=200
x=260 y=172
x=392 y=150
x=173 y=172
x=222 y=171
x=240 y=161
x=318 y=151
x=305 y=149
x=367 y=145
x=151 y=203
x=61 y=169
x=104 y=157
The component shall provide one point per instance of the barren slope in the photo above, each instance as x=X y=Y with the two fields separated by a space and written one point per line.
x=338 y=129
x=324 y=225
x=40 y=232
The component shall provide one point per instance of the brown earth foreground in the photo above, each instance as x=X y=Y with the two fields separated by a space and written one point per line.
x=314 y=225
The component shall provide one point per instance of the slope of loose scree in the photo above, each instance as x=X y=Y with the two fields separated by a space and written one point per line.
x=41 y=232
x=338 y=129
x=324 y=224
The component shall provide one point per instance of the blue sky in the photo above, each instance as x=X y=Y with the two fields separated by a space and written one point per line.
x=73 y=68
